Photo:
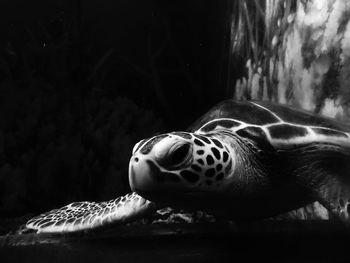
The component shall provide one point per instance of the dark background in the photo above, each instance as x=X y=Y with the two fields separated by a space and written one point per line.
x=82 y=81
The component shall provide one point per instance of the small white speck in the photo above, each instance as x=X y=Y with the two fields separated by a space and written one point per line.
x=274 y=41
x=290 y=18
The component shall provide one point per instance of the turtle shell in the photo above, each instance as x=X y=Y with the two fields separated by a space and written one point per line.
x=281 y=125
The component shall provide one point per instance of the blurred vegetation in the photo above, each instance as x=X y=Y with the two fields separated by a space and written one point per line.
x=63 y=137
x=255 y=27
x=249 y=38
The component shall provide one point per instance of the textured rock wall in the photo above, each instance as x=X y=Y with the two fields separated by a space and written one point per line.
x=304 y=58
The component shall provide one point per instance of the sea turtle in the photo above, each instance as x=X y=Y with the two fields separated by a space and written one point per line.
x=241 y=160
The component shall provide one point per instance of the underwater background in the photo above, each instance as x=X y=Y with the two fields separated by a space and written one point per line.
x=82 y=81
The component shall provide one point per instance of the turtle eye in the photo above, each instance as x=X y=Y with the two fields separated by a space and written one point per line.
x=179 y=155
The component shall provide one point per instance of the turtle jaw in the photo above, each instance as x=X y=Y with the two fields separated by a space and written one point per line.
x=146 y=176
x=147 y=180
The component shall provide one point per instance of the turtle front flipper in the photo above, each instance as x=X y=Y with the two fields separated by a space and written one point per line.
x=81 y=216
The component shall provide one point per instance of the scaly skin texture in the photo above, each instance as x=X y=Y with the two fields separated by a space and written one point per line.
x=84 y=216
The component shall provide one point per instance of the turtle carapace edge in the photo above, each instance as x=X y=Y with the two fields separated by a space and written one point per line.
x=241 y=160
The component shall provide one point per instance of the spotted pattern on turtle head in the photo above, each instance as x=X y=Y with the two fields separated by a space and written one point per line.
x=205 y=162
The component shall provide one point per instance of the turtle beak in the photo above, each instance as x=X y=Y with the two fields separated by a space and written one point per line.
x=140 y=174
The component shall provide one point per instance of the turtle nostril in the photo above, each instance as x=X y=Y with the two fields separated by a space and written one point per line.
x=136 y=159
x=179 y=154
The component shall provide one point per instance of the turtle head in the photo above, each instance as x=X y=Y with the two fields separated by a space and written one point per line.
x=180 y=166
